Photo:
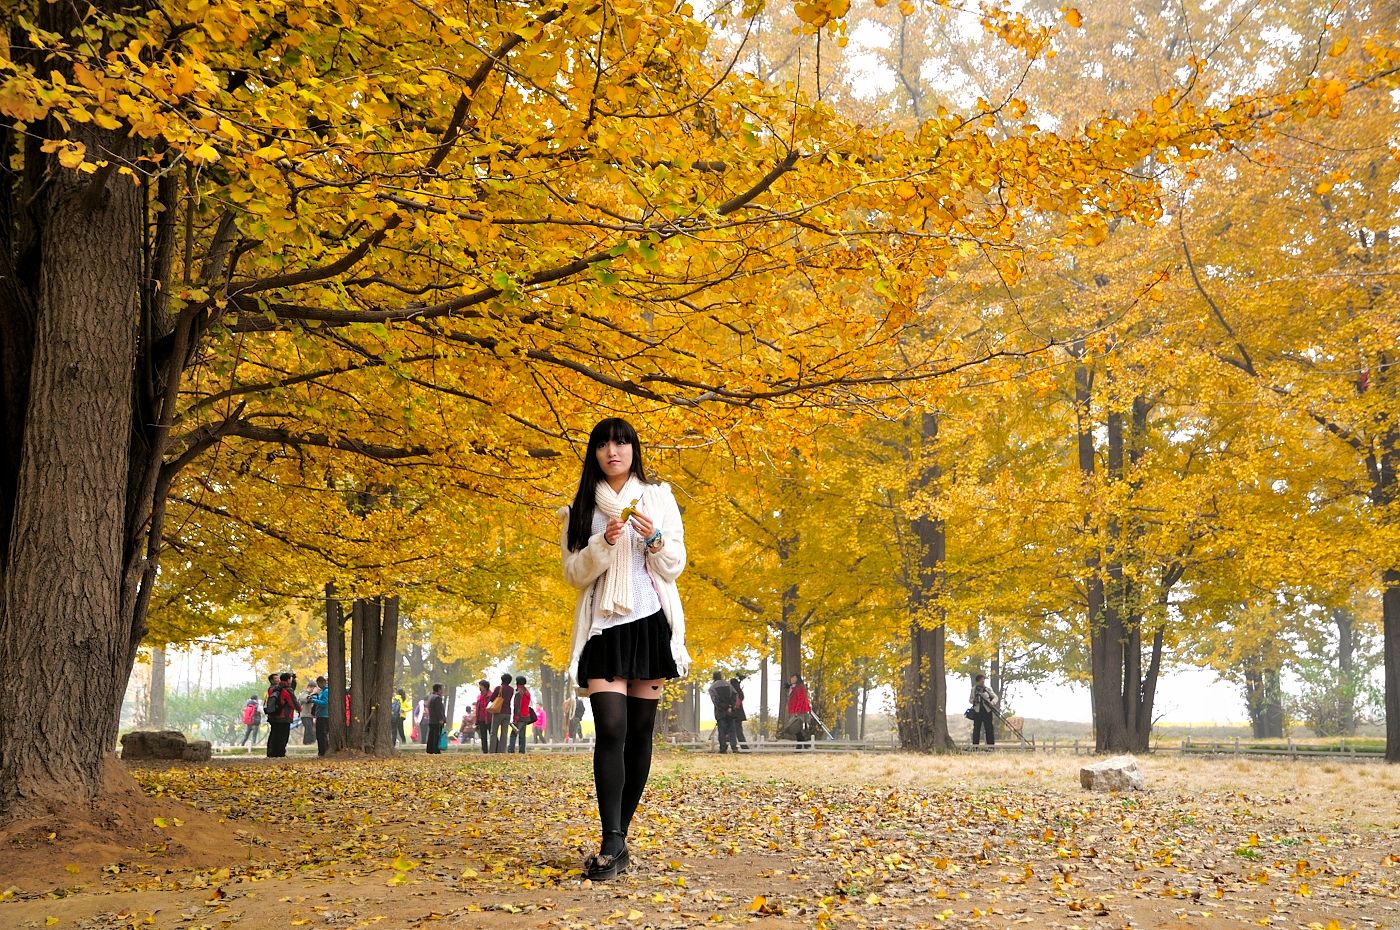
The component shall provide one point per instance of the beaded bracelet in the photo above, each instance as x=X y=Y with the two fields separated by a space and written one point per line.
x=651 y=540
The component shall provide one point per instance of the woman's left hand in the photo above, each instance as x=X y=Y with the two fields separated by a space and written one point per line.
x=642 y=524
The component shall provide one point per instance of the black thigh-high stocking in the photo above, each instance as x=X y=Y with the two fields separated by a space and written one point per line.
x=609 y=773
x=641 y=724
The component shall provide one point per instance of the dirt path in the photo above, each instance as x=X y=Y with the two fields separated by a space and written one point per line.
x=804 y=841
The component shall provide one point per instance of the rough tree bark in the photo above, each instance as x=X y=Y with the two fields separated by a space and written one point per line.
x=1263 y=692
x=1390 y=609
x=789 y=635
x=923 y=700
x=70 y=556
x=1122 y=689
x=374 y=624
x=155 y=713
x=1383 y=464
x=338 y=736
x=1346 y=669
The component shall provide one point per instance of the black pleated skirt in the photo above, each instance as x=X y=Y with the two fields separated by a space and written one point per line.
x=636 y=651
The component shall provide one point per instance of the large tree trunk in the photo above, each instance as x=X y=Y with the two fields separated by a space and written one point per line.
x=374 y=626
x=68 y=616
x=1384 y=466
x=763 y=691
x=554 y=691
x=380 y=688
x=338 y=734
x=1105 y=669
x=1346 y=670
x=789 y=639
x=155 y=713
x=1263 y=695
x=1123 y=692
x=922 y=715
x=1390 y=610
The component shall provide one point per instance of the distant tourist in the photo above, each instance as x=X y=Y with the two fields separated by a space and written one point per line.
x=541 y=721
x=483 y=716
x=522 y=715
x=397 y=705
x=799 y=710
x=576 y=719
x=281 y=709
x=984 y=703
x=499 y=708
x=252 y=720
x=437 y=719
x=321 y=708
x=737 y=717
x=722 y=700
x=308 y=718
x=467 y=731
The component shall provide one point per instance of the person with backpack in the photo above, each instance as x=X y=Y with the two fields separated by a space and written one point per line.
x=984 y=703
x=499 y=709
x=252 y=720
x=722 y=699
x=280 y=709
x=799 y=710
x=522 y=715
x=437 y=719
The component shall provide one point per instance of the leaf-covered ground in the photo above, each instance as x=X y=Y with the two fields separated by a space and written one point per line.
x=765 y=842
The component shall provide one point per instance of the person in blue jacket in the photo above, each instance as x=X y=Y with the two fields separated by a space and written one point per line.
x=321 y=702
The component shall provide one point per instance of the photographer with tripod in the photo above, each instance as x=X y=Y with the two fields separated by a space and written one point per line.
x=984 y=704
x=799 y=710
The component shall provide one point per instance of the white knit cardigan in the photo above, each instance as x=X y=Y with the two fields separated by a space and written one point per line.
x=583 y=567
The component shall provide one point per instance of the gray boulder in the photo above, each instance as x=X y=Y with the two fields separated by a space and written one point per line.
x=1120 y=773
x=163 y=744
x=201 y=750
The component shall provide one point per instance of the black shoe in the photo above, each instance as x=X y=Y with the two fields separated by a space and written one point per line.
x=602 y=867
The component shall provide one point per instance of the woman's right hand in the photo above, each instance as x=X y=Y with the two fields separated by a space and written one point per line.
x=613 y=531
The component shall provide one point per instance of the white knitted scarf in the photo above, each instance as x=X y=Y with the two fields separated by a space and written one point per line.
x=616 y=599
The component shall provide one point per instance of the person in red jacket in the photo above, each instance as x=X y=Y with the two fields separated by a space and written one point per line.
x=283 y=707
x=799 y=710
x=523 y=715
x=483 y=716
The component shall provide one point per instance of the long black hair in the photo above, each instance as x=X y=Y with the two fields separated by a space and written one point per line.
x=613 y=429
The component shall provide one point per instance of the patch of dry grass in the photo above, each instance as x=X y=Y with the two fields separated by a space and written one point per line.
x=1320 y=795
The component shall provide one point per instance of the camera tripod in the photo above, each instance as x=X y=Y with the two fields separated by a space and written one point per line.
x=1011 y=726
x=807 y=732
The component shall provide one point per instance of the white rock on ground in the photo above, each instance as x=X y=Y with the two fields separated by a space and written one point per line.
x=1120 y=773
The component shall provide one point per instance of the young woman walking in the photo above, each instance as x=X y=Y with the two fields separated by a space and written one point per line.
x=623 y=548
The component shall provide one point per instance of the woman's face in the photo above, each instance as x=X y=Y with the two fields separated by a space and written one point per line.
x=615 y=458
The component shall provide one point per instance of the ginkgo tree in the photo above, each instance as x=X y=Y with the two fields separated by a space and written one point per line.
x=428 y=235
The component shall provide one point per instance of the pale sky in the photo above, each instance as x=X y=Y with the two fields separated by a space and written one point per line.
x=1183 y=696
